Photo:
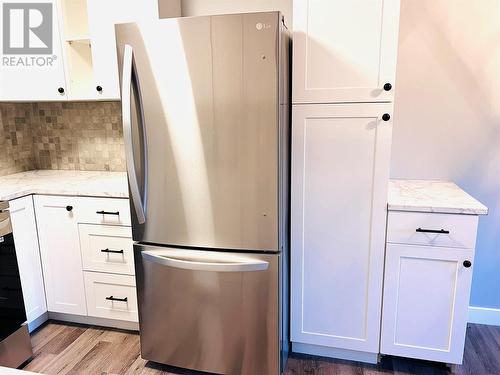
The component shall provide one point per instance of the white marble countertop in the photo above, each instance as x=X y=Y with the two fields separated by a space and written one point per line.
x=73 y=183
x=432 y=196
x=13 y=371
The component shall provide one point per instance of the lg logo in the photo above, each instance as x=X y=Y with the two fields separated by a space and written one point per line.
x=27 y=28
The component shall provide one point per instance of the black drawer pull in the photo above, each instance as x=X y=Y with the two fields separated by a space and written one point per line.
x=112 y=251
x=440 y=231
x=117 y=213
x=111 y=298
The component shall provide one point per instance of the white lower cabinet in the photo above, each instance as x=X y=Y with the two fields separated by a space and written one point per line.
x=79 y=234
x=340 y=158
x=426 y=299
x=111 y=296
x=22 y=215
x=60 y=250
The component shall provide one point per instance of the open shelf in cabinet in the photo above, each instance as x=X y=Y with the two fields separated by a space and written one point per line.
x=80 y=69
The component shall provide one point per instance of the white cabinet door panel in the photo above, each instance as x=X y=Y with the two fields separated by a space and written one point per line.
x=60 y=250
x=28 y=256
x=341 y=158
x=344 y=51
x=426 y=298
x=37 y=75
x=103 y=15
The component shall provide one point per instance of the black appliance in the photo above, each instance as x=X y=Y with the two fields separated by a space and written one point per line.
x=15 y=343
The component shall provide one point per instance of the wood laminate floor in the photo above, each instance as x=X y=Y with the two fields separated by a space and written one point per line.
x=60 y=348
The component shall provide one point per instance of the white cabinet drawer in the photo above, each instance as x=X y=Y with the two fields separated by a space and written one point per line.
x=111 y=296
x=432 y=229
x=107 y=248
x=110 y=211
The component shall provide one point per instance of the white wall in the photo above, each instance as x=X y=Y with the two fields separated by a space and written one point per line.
x=204 y=7
x=447 y=113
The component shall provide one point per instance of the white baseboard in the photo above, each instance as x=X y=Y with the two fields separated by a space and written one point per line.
x=484 y=315
x=130 y=326
x=33 y=325
x=323 y=351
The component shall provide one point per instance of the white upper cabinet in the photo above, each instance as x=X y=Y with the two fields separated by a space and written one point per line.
x=77 y=48
x=32 y=65
x=103 y=15
x=78 y=60
x=344 y=51
x=341 y=155
x=28 y=258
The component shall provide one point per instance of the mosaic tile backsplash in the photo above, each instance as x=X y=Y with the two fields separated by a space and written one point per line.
x=16 y=138
x=74 y=136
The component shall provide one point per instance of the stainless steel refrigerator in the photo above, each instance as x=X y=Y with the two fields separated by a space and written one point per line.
x=205 y=104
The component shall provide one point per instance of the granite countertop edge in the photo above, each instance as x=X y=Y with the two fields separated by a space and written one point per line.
x=432 y=196
x=96 y=184
x=439 y=210
x=22 y=194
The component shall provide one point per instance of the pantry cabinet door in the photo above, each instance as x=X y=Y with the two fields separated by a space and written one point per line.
x=103 y=15
x=426 y=300
x=344 y=51
x=22 y=214
x=60 y=250
x=31 y=68
x=341 y=156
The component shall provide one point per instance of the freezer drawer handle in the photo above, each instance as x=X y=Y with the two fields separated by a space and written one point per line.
x=235 y=266
x=111 y=298
x=117 y=213
x=441 y=231
x=112 y=251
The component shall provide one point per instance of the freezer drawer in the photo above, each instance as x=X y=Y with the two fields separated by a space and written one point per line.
x=210 y=311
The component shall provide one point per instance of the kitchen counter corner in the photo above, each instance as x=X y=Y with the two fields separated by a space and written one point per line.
x=62 y=182
x=432 y=196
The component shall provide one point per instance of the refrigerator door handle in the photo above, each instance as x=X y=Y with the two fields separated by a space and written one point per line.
x=129 y=75
x=239 y=264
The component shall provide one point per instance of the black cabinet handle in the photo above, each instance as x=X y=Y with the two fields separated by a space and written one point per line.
x=99 y=88
x=111 y=298
x=387 y=87
x=60 y=90
x=117 y=213
x=386 y=117
x=112 y=251
x=69 y=208
x=440 y=231
x=467 y=263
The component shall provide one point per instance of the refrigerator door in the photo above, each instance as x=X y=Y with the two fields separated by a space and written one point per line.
x=200 y=100
x=209 y=311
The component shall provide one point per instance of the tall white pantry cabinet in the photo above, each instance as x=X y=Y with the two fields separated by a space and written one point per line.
x=344 y=60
